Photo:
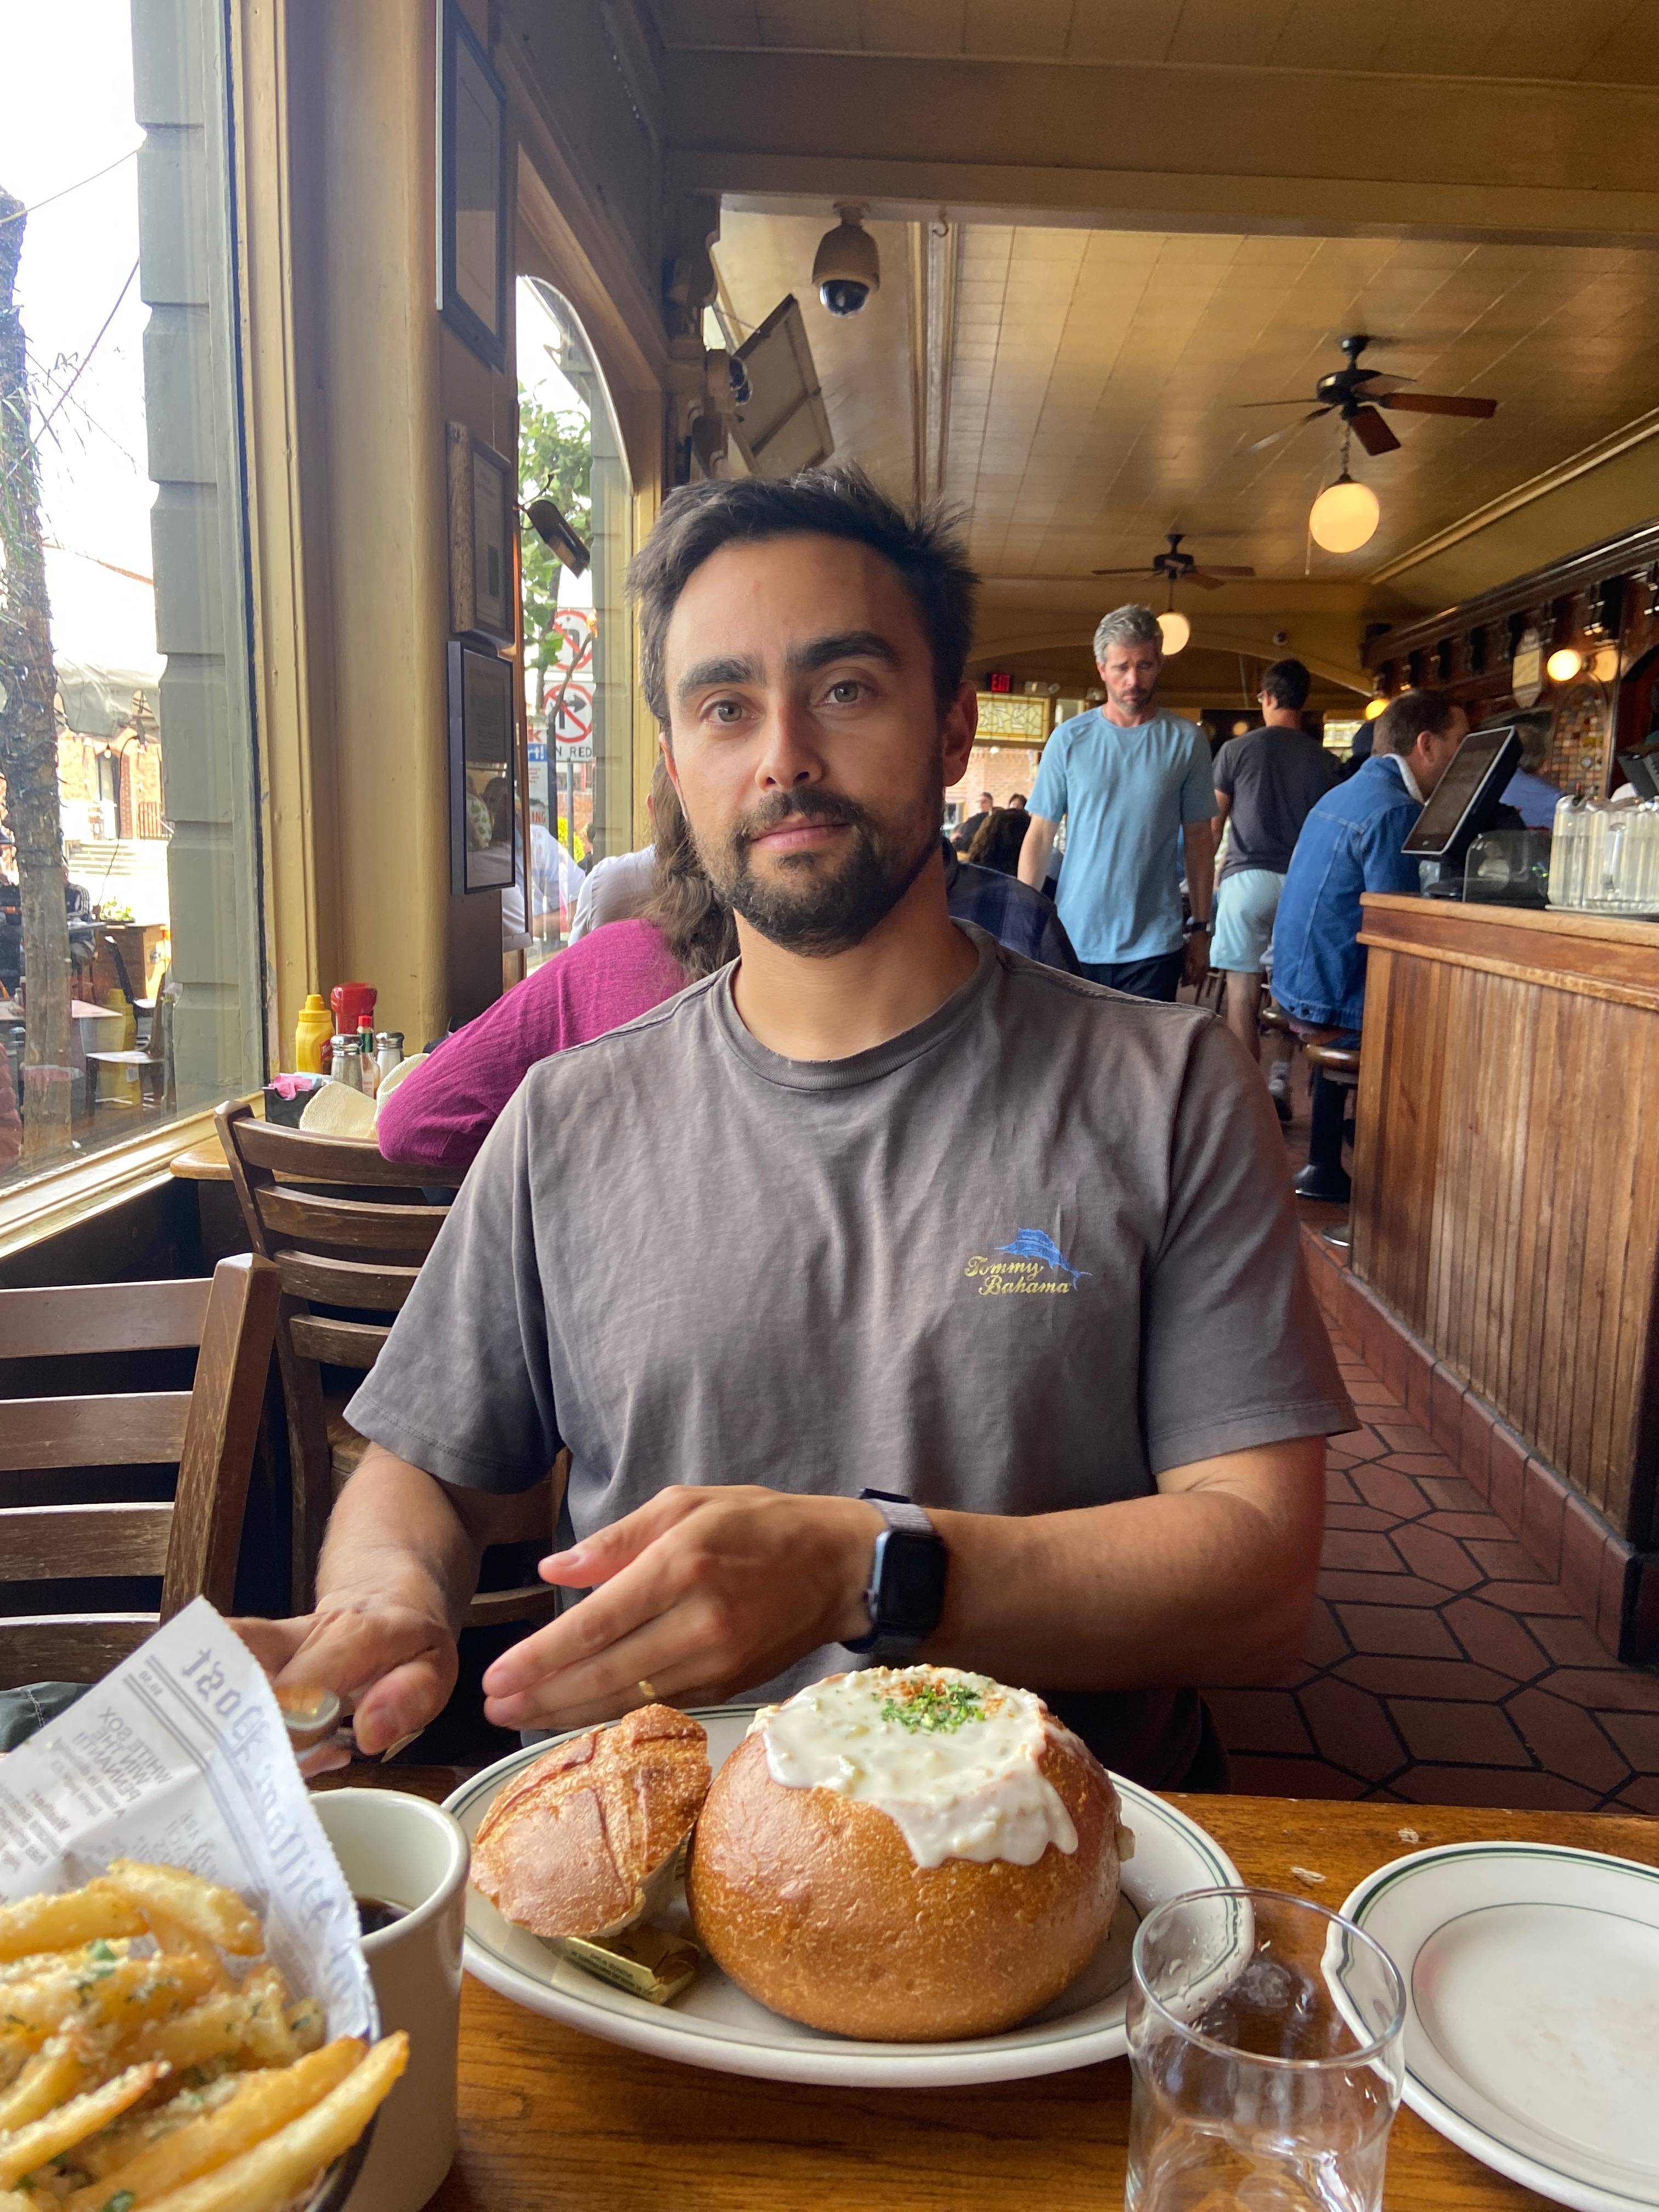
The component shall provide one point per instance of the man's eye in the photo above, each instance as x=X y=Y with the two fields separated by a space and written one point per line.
x=726 y=710
x=845 y=692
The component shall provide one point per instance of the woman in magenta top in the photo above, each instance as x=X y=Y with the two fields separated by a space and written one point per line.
x=441 y=1114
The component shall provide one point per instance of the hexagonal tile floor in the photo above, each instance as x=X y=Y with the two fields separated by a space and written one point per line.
x=1441 y=1669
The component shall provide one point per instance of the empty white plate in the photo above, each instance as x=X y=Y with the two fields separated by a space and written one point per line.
x=1532 y=2023
x=714 y=2024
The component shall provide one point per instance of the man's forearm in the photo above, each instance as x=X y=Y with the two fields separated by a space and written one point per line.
x=398 y=1532
x=1208 y=1583
x=1198 y=840
x=1035 y=853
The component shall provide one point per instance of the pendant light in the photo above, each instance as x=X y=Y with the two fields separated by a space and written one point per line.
x=1174 y=627
x=1345 y=515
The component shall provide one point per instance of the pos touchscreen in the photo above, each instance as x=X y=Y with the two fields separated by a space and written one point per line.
x=1465 y=802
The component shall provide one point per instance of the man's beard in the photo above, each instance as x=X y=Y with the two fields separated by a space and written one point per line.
x=810 y=905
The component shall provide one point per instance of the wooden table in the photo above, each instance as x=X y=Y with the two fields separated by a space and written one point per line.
x=556 y=2121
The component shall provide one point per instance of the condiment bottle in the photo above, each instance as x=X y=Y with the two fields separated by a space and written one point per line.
x=311 y=1033
x=366 y=1061
x=390 y=1052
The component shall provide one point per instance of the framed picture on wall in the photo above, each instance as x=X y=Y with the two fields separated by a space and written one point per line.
x=472 y=279
x=482 y=521
x=483 y=753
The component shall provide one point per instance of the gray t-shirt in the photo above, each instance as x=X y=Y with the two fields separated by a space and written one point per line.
x=1275 y=778
x=1018 y=1260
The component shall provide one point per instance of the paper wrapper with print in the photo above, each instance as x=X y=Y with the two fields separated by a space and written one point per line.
x=180 y=1757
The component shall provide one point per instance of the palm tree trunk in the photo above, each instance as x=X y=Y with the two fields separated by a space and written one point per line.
x=28 y=735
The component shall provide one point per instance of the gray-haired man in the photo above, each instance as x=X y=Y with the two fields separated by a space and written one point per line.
x=1131 y=782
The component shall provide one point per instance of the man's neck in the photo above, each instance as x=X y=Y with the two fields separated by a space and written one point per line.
x=1130 y=718
x=832 y=1007
x=1280 y=718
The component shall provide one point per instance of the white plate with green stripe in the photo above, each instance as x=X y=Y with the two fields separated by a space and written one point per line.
x=1532 y=2022
x=715 y=2023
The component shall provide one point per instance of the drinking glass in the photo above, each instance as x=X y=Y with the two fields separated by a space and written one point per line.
x=1265 y=2036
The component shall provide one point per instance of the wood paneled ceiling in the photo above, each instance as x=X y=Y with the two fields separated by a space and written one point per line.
x=1586 y=41
x=1093 y=378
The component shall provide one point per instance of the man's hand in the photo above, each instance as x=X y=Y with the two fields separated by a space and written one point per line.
x=701 y=1593
x=395 y=1663
x=1197 y=964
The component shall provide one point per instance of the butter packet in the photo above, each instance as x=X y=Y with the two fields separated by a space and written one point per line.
x=645 y=1961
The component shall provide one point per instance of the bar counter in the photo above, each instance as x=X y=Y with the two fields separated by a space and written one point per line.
x=1506 y=1181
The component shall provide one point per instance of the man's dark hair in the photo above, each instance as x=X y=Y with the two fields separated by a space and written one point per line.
x=1404 y=720
x=1287 y=684
x=924 y=544
x=696 y=922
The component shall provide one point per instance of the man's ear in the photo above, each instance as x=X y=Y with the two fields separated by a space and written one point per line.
x=959 y=729
x=665 y=747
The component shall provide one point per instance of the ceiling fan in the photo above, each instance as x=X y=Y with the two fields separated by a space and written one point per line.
x=1180 y=568
x=1351 y=392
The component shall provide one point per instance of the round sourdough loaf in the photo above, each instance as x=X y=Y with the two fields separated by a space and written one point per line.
x=815 y=1899
x=584 y=1842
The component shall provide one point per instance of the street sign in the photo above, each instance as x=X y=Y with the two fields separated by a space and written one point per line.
x=574 y=749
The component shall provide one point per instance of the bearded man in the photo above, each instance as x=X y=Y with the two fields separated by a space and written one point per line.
x=946 y=1306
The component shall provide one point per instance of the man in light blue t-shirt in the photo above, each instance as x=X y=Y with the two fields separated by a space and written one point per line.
x=1129 y=780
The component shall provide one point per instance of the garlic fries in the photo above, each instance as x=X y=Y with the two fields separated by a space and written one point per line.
x=152 y=2059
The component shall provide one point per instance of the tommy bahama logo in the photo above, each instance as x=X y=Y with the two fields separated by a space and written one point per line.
x=1032 y=1265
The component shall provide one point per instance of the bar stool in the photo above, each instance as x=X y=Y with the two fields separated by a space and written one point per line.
x=1336 y=1073
x=1271 y=1020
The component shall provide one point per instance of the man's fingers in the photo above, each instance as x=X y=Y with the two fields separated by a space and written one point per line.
x=274 y=1642
x=637 y=1595
x=402 y=1702
x=608 y=1551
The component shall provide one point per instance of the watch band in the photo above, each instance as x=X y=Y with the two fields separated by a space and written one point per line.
x=885 y=1647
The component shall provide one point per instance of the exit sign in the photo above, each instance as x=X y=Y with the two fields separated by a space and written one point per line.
x=998 y=680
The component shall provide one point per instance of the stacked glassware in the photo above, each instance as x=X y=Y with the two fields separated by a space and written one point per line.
x=1605 y=859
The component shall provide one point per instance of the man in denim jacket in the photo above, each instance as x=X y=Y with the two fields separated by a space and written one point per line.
x=1350 y=844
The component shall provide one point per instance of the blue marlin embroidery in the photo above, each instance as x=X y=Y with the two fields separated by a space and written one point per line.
x=1032 y=1245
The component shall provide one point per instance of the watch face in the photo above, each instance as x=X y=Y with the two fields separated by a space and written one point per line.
x=909 y=1583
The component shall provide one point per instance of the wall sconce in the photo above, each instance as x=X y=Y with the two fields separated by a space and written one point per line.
x=1374 y=706
x=1563 y=664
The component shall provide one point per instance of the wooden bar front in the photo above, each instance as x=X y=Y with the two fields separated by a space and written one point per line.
x=1506 y=1190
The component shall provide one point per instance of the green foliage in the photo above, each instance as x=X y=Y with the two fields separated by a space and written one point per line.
x=555 y=454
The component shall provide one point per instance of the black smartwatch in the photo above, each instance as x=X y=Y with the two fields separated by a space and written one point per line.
x=905 y=1596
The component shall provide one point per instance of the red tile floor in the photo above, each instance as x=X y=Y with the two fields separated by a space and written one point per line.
x=1440 y=1667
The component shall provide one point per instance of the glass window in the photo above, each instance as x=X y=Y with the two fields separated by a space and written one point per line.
x=130 y=986
x=579 y=674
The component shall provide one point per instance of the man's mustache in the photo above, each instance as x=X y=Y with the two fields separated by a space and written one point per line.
x=804 y=805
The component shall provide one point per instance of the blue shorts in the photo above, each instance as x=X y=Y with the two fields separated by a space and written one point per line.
x=1245 y=904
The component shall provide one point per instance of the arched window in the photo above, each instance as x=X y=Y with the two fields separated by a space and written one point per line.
x=578 y=636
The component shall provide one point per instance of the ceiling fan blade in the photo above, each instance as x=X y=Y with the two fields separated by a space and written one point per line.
x=1373 y=433
x=1437 y=402
x=1205 y=582
x=1304 y=402
x=1272 y=438
x=1123 y=572
x=1215 y=569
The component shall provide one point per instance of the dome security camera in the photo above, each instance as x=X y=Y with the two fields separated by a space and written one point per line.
x=847 y=268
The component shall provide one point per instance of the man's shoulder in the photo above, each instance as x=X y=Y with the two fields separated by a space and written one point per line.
x=1054 y=993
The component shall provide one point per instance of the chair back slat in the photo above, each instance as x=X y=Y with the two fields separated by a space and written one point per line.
x=117 y=1430
x=341 y=1343
x=54 y=1647
x=354 y=1282
x=101 y=1318
x=65 y=1543
x=302 y=1157
x=210 y=1432
x=348 y=1224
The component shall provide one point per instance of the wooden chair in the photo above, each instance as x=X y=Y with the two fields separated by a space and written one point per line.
x=210 y=1430
x=347 y=1231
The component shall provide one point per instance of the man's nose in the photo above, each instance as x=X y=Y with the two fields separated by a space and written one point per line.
x=788 y=755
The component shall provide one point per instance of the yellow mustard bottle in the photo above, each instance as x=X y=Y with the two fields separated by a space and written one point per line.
x=311 y=1032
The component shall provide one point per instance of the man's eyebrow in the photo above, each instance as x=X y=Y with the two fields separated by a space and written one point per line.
x=842 y=645
x=701 y=673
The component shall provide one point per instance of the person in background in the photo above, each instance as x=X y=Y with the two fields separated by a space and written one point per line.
x=1351 y=843
x=439 y=1115
x=555 y=878
x=1130 y=781
x=998 y=840
x=1016 y=799
x=789 y=1293
x=620 y=888
x=1533 y=799
x=1266 y=782
x=968 y=828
